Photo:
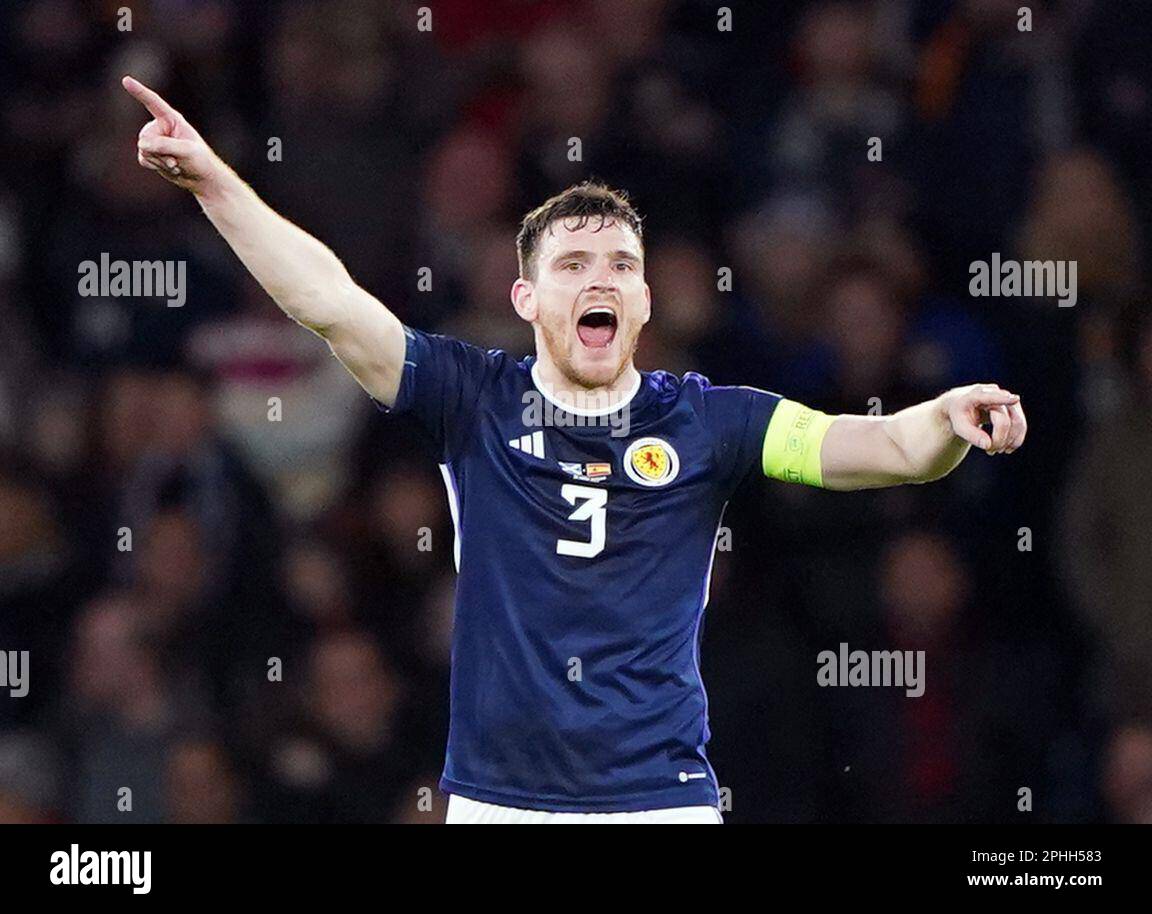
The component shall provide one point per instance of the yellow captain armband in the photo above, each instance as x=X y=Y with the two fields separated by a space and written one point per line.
x=792 y=443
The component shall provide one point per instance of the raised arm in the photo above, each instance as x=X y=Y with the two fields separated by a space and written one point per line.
x=302 y=275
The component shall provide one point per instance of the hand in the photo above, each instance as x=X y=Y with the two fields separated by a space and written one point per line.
x=968 y=408
x=170 y=145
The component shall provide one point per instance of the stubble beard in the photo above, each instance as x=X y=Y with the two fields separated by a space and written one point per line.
x=555 y=344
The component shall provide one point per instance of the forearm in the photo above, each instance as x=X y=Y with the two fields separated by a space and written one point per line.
x=867 y=452
x=304 y=277
x=927 y=446
x=919 y=444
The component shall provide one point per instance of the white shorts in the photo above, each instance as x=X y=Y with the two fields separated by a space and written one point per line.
x=462 y=811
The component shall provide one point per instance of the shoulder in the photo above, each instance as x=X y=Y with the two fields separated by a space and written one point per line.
x=699 y=392
x=438 y=348
x=669 y=388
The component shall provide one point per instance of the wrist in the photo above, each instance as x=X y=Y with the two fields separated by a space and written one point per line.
x=217 y=185
x=940 y=408
x=942 y=412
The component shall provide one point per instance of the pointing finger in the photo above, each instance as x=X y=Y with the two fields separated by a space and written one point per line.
x=156 y=105
x=993 y=396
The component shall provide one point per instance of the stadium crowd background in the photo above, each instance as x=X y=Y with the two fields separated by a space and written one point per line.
x=298 y=539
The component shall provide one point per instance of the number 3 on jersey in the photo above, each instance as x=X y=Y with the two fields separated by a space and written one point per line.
x=591 y=505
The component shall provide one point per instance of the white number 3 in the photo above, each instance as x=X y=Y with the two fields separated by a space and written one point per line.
x=593 y=509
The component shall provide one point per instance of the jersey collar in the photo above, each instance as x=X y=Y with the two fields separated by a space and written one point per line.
x=580 y=411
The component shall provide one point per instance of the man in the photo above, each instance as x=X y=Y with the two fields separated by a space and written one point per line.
x=586 y=494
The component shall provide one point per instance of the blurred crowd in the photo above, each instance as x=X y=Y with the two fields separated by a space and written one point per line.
x=229 y=606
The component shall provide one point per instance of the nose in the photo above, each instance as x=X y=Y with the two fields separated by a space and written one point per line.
x=602 y=283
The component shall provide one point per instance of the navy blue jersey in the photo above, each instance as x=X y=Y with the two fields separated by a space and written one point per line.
x=584 y=557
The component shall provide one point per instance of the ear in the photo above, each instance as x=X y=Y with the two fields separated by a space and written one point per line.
x=647 y=303
x=524 y=299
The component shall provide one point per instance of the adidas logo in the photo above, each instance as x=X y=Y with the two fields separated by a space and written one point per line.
x=530 y=444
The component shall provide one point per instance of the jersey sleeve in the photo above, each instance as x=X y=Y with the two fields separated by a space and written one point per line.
x=441 y=385
x=737 y=418
x=758 y=428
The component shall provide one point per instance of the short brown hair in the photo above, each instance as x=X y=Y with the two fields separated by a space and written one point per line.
x=584 y=201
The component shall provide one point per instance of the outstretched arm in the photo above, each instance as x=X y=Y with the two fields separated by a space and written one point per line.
x=302 y=275
x=922 y=443
x=919 y=444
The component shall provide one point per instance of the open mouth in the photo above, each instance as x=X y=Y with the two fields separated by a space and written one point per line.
x=597 y=327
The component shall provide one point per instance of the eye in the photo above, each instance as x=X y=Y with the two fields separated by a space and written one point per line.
x=572 y=263
x=626 y=264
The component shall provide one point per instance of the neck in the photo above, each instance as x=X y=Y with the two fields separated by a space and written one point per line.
x=561 y=388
